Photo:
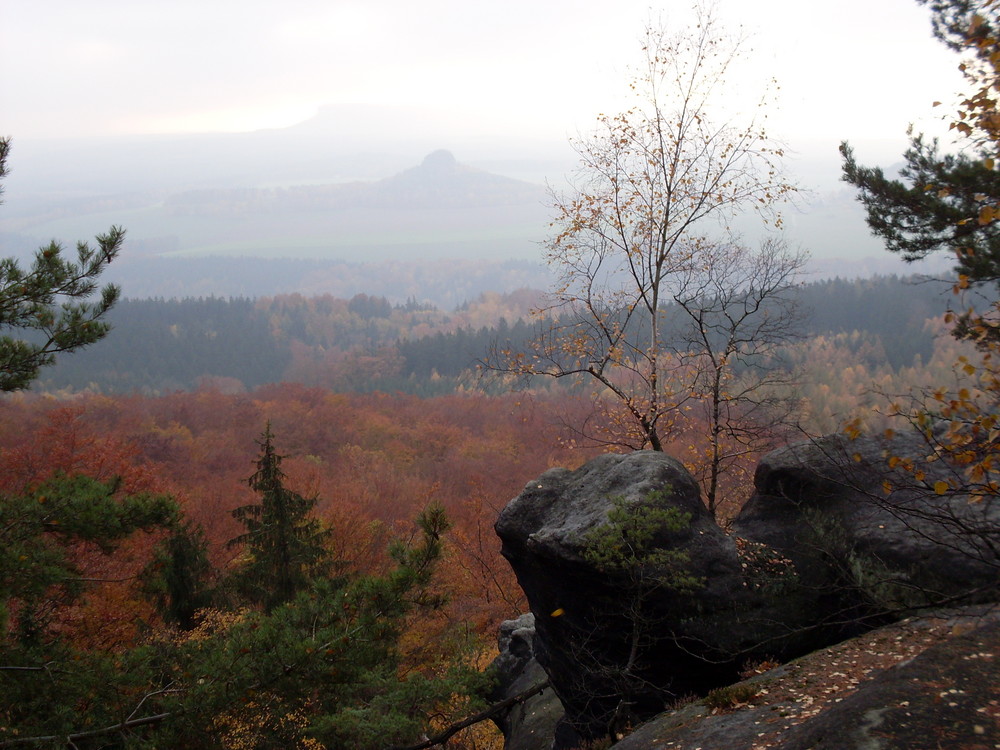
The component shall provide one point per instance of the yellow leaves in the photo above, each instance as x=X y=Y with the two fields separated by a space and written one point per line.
x=987 y=214
x=853 y=429
x=941 y=487
x=962 y=127
x=558 y=612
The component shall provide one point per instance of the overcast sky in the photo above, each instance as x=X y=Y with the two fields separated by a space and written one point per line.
x=855 y=69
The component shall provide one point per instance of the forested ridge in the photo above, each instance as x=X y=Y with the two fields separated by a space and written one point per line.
x=368 y=343
x=286 y=522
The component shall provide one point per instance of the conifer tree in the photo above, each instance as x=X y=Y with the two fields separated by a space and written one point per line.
x=284 y=547
x=42 y=304
x=177 y=578
x=949 y=201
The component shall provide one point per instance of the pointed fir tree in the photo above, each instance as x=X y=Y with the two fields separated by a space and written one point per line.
x=177 y=579
x=284 y=547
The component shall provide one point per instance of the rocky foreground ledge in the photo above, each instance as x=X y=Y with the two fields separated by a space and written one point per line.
x=832 y=546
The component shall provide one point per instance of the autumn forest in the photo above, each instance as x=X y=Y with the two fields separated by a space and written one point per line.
x=268 y=522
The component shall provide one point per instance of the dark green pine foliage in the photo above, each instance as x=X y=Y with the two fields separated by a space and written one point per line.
x=43 y=309
x=47 y=687
x=326 y=666
x=39 y=532
x=166 y=345
x=932 y=206
x=284 y=547
x=947 y=201
x=177 y=578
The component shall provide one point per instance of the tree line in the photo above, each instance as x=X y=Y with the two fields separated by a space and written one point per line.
x=162 y=345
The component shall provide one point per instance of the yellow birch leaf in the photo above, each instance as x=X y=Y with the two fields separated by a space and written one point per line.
x=940 y=487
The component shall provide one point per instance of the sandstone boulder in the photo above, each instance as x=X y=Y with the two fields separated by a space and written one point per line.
x=613 y=649
x=837 y=539
x=868 y=539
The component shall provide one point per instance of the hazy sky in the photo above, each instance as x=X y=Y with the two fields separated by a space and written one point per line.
x=855 y=69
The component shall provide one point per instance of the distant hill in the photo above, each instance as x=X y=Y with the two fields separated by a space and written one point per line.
x=442 y=181
x=439 y=209
x=439 y=182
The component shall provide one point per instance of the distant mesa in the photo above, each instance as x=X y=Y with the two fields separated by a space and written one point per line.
x=441 y=160
x=441 y=181
x=438 y=182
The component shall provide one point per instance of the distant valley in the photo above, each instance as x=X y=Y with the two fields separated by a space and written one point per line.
x=324 y=208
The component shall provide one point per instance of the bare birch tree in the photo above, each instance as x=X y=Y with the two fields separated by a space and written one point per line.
x=733 y=311
x=655 y=194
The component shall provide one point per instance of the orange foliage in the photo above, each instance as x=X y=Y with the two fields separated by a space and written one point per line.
x=373 y=461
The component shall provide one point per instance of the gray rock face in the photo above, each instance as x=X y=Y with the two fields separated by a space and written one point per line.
x=606 y=665
x=530 y=725
x=821 y=552
x=903 y=707
x=856 y=529
x=944 y=697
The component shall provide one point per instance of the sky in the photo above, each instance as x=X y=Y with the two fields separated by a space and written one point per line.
x=494 y=82
x=856 y=69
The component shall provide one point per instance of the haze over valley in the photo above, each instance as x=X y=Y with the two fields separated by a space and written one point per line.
x=320 y=208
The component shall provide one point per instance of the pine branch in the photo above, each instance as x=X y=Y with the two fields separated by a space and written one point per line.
x=70 y=738
x=495 y=710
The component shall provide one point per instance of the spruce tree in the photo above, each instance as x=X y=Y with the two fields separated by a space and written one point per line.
x=284 y=547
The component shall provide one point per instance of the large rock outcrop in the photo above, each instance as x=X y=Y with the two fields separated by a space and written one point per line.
x=832 y=544
x=612 y=649
x=837 y=509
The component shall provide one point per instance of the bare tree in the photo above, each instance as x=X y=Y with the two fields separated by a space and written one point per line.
x=734 y=310
x=651 y=204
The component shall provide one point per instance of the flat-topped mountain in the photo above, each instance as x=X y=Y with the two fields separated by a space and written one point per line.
x=440 y=181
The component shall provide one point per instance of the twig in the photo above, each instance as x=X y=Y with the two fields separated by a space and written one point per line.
x=494 y=710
